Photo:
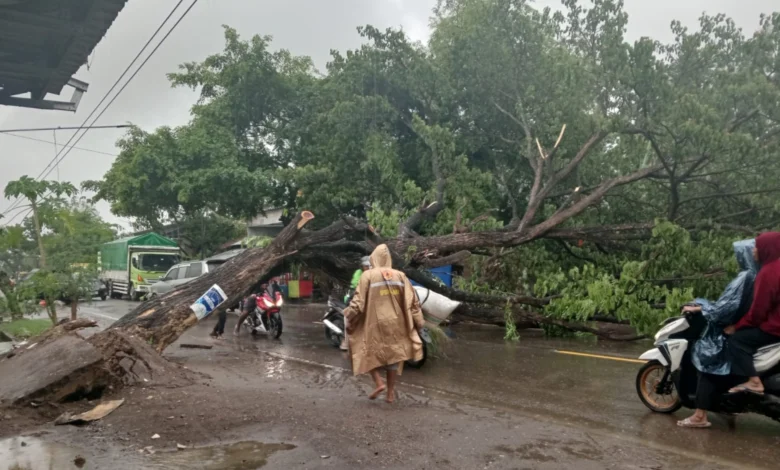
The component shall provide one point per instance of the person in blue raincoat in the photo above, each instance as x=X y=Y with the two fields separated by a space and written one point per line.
x=710 y=352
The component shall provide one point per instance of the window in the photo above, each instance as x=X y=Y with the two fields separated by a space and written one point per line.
x=154 y=262
x=182 y=274
x=171 y=275
x=195 y=270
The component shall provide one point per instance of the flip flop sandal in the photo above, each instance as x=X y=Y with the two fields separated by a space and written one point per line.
x=687 y=423
x=742 y=388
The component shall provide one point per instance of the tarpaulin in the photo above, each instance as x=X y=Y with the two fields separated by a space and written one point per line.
x=709 y=352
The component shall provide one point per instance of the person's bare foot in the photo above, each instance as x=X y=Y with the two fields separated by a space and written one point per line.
x=377 y=391
x=390 y=397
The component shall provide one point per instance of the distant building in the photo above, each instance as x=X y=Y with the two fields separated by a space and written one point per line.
x=268 y=225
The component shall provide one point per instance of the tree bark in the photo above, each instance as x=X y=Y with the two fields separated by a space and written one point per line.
x=162 y=320
x=74 y=309
x=10 y=296
x=37 y=223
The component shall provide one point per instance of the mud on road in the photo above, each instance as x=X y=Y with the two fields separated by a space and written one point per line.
x=292 y=404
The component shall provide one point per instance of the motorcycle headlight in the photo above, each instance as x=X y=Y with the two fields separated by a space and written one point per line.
x=279 y=302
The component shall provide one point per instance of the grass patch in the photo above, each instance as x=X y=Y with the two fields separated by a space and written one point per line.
x=25 y=328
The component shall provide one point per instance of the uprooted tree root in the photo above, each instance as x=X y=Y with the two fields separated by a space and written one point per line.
x=129 y=361
x=126 y=361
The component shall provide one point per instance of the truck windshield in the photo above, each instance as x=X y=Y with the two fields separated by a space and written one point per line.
x=157 y=262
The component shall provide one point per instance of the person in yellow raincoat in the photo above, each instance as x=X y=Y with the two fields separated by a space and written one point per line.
x=383 y=319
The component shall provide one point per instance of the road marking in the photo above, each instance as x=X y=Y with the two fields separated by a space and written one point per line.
x=598 y=356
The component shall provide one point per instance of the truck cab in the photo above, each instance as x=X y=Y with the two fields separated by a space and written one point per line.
x=146 y=268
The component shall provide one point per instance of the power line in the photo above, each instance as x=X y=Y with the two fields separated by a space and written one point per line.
x=44 y=141
x=129 y=79
x=67 y=128
x=66 y=148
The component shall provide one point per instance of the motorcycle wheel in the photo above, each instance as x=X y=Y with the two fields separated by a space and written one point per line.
x=647 y=380
x=335 y=339
x=275 y=326
x=421 y=362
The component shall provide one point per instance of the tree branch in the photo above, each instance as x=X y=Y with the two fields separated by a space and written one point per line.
x=725 y=195
x=538 y=196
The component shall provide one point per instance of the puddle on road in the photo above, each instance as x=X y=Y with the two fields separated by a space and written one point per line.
x=246 y=455
x=30 y=453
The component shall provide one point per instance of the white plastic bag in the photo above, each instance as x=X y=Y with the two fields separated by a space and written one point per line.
x=436 y=307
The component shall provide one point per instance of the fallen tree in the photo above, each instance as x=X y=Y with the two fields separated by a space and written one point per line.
x=128 y=352
x=334 y=250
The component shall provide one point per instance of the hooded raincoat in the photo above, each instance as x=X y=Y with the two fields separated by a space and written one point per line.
x=383 y=317
x=710 y=351
x=765 y=311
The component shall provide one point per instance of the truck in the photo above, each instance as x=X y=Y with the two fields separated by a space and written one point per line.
x=129 y=266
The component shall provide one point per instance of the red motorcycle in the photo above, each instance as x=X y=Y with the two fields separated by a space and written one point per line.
x=267 y=317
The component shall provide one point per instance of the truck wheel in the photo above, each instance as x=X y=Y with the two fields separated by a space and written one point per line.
x=111 y=290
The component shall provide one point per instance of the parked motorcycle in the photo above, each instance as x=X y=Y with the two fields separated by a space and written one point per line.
x=334 y=330
x=267 y=317
x=668 y=380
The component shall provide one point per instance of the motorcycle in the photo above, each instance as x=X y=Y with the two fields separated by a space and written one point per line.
x=267 y=316
x=669 y=379
x=334 y=330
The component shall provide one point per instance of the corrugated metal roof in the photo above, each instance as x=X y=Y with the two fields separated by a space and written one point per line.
x=44 y=42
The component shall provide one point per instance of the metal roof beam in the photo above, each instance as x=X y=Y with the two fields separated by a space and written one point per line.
x=79 y=89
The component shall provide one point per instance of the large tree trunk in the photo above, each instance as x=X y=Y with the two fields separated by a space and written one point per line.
x=126 y=347
x=37 y=223
x=162 y=320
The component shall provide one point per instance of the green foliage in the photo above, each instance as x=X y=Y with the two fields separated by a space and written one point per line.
x=73 y=234
x=36 y=190
x=510 y=329
x=395 y=126
x=672 y=269
x=202 y=235
x=25 y=328
x=258 y=242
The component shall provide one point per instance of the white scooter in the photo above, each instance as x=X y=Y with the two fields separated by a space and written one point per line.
x=668 y=380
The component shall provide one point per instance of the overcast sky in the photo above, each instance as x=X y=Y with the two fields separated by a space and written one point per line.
x=305 y=27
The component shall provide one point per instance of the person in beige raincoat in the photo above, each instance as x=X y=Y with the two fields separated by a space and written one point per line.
x=383 y=320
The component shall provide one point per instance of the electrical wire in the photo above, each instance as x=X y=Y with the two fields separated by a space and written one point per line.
x=61 y=128
x=128 y=80
x=67 y=147
x=44 y=141
x=119 y=79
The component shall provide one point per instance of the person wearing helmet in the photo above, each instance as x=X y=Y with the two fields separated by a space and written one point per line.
x=365 y=265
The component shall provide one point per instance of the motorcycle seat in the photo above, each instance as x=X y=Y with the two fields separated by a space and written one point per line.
x=767 y=357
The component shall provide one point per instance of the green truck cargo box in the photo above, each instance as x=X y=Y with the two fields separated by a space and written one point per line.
x=113 y=255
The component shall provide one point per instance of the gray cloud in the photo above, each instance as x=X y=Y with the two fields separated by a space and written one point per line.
x=306 y=27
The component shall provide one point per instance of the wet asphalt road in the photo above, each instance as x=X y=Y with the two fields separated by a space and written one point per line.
x=530 y=378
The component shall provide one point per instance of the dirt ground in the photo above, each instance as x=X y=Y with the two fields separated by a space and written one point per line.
x=287 y=413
